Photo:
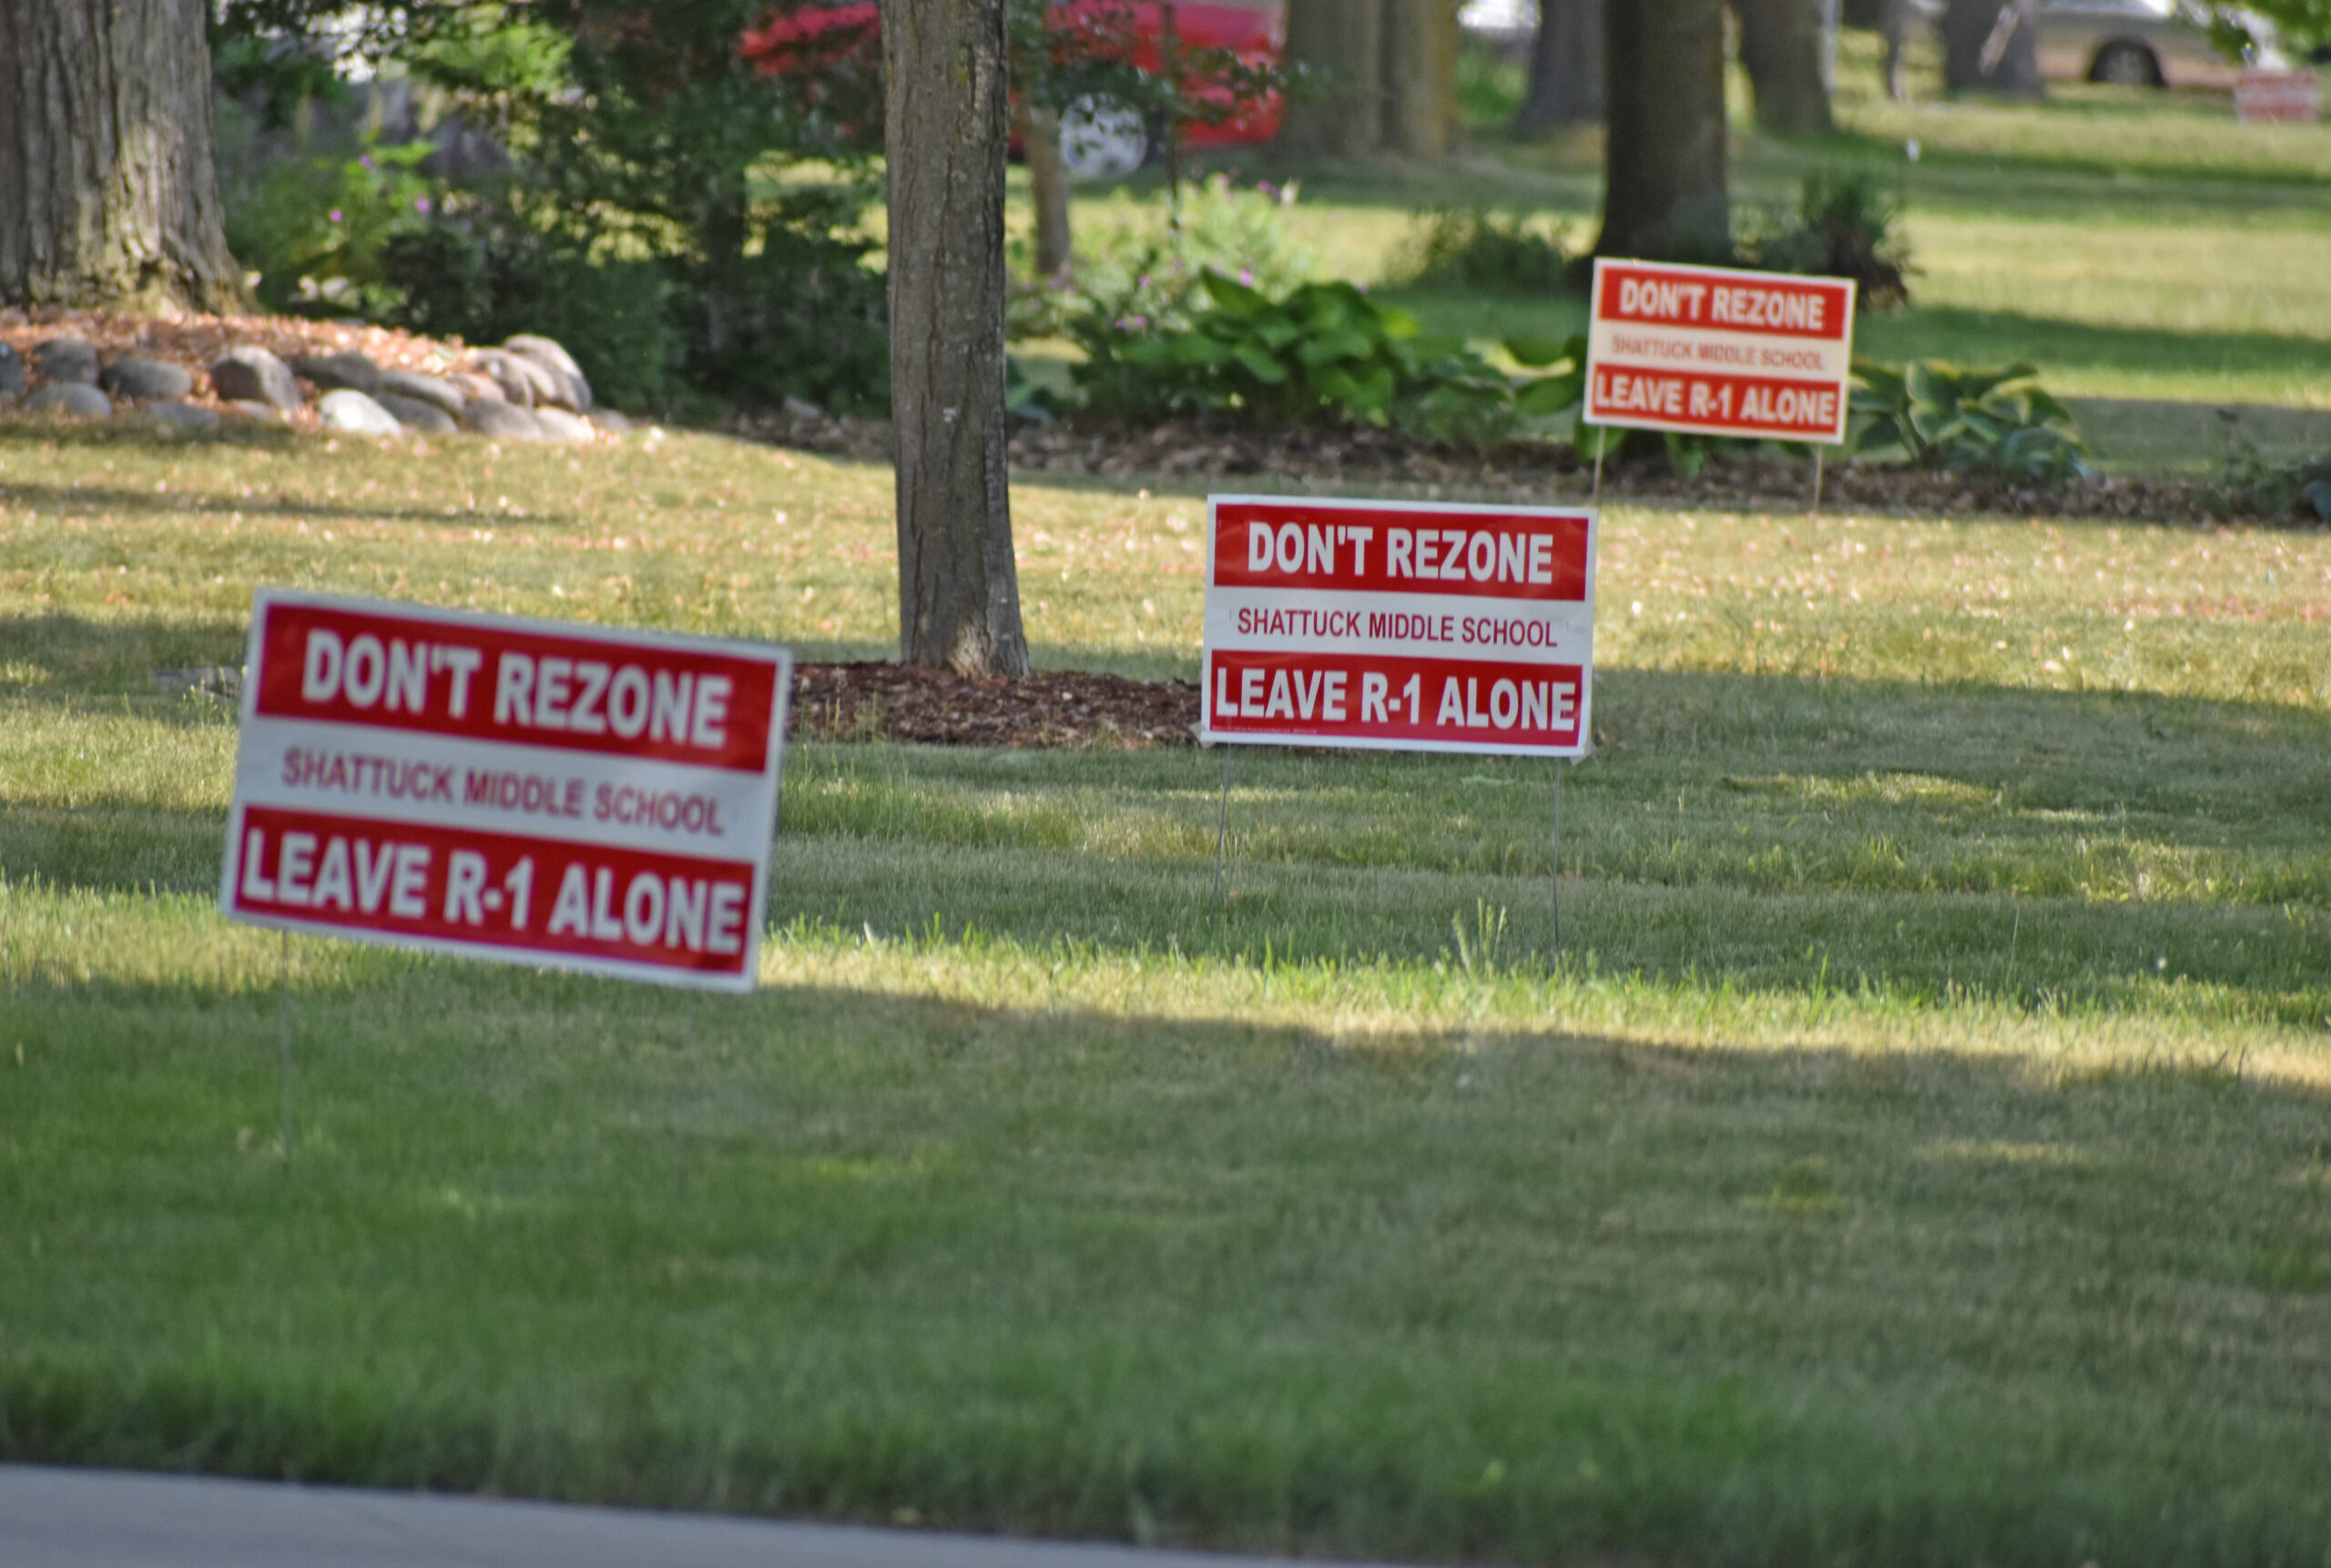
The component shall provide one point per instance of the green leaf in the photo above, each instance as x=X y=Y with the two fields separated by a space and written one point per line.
x=1550 y=395
x=1232 y=296
x=1260 y=365
x=1537 y=354
x=1342 y=344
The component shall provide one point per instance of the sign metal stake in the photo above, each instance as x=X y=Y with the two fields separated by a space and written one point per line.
x=1597 y=495
x=1560 y=769
x=1820 y=458
x=1222 y=834
x=283 y=1043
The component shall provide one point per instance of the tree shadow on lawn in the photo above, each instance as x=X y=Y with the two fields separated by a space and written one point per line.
x=1303 y=1290
x=1838 y=835
x=1986 y=337
x=85 y=500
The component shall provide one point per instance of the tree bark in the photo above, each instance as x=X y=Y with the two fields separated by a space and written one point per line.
x=1419 y=78
x=1344 y=39
x=1991 y=45
x=1665 y=191
x=1047 y=190
x=1781 y=45
x=109 y=192
x=1565 y=69
x=959 y=592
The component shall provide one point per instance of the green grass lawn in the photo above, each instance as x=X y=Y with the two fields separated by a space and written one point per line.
x=1917 y=1150
x=2156 y=259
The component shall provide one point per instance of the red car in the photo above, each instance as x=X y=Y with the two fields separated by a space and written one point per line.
x=1101 y=138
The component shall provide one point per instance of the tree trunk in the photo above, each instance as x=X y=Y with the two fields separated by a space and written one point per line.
x=1780 y=44
x=1419 y=78
x=1665 y=194
x=1991 y=45
x=959 y=592
x=1344 y=40
x=1047 y=190
x=108 y=193
x=1565 y=69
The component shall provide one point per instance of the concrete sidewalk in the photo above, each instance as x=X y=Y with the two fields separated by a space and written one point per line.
x=113 y=1518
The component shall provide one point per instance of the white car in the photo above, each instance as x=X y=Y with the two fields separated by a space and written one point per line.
x=2141 y=43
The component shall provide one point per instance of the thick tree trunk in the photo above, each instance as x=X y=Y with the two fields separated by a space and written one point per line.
x=959 y=592
x=109 y=194
x=1344 y=40
x=1991 y=45
x=1780 y=44
x=1565 y=69
x=1047 y=190
x=1665 y=192
x=1420 y=93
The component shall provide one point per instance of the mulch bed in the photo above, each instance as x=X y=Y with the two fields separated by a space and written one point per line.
x=1067 y=711
x=1348 y=458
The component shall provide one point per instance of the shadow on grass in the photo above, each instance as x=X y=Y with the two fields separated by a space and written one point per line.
x=828 y=1253
x=1786 y=834
x=86 y=501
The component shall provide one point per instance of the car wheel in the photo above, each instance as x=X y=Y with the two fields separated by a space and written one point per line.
x=2126 y=66
x=1101 y=138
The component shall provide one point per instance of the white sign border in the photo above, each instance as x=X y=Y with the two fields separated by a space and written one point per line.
x=744 y=982
x=1209 y=736
x=1844 y=387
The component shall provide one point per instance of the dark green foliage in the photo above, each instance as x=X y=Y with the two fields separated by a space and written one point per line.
x=1322 y=351
x=614 y=317
x=1480 y=250
x=1845 y=226
x=1943 y=417
x=317 y=229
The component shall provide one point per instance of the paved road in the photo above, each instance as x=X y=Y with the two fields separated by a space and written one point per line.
x=110 y=1519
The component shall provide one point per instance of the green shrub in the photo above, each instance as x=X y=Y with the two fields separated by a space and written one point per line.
x=317 y=231
x=1321 y=352
x=1127 y=270
x=1478 y=249
x=1941 y=416
x=1845 y=226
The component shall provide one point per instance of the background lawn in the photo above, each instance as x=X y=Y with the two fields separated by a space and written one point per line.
x=2156 y=259
x=1918 y=1151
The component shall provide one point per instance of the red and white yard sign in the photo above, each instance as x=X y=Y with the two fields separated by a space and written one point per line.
x=1712 y=351
x=2272 y=96
x=526 y=790
x=1399 y=627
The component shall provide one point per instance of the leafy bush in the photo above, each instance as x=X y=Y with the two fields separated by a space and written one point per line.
x=1320 y=352
x=1943 y=417
x=1479 y=249
x=803 y=318
x=317 y=231
x=1131 y=271
x=1845 y=226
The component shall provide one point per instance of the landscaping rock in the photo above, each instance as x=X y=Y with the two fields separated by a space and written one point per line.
x=529 y=345
x=265 y=412
x=432 y=390
x=254 y=375
x=340 y=373
x=66 y=359
x=561 y=365
x=14 y=378
x=415 y=415
x=185 y=417
x=508 y=373
x=502 y=419
x=145 y=379
x=76 y=398
x=473 y=386
x=610 y=423
x=557 y=425
x=346 y=409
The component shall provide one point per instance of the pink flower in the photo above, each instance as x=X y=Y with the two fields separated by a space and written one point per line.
x=334 y=215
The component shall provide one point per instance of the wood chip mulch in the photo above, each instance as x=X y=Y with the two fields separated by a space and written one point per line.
x=1346 y=458
x=1066 y=710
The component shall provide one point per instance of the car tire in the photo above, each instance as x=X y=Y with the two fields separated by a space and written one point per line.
x=2126 y=65
x=1102 y=138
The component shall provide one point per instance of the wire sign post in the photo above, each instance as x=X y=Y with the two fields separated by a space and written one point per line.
x=1398 y=626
